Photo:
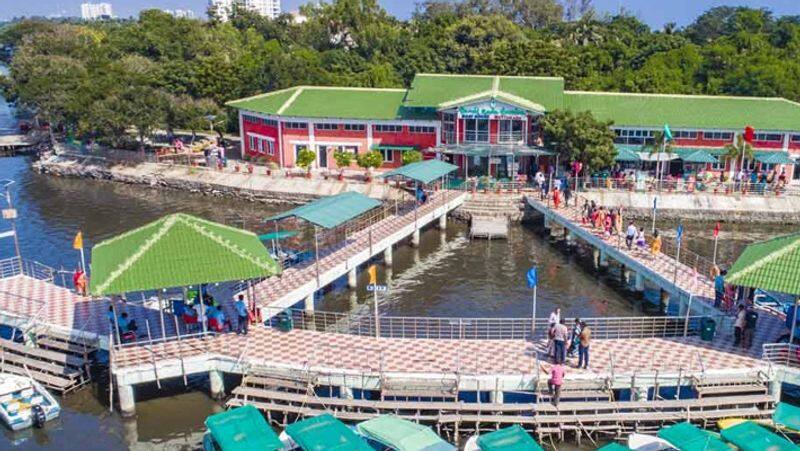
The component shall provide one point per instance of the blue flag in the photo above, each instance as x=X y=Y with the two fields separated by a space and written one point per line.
x=532 y=279
x=655 y=203
x=679 y=235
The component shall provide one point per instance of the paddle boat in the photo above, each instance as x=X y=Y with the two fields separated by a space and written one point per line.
x=749 y=436
x=786 y=419
x=25 y=403
x=322 y=432
x=688 y=437
x=510 y=438
x=390 y=433
x=240 y=429
x=645 y=442
x=613 y=447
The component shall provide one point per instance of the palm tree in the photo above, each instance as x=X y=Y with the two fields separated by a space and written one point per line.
x=739 y=151
x=658 y=146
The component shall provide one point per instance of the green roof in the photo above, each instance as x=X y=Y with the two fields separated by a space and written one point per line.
x=486 y=150
x=773 y=157
x=402 y=435
x=177 y=250
x=613 y=447
x=688 y=437
x=689 y=155
x=329 y=212
x=787 y=415
x=423 y=171
x=748 y=436
x=627 y=153
x=683 y=111
x=242 y=429
x=512 y=438
x=332 y=102
x=770 y=265
x=325 y=433
x=443 y=90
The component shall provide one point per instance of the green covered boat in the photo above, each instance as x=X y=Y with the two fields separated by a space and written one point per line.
x=398 y=434
x=749 y=436
x=325 y=433
x=240 y=429
x=688 y=437
x=512 y=438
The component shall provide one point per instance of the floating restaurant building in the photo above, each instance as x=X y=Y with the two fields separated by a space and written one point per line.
x=491 y=124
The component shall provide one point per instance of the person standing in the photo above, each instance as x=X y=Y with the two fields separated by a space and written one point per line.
x=719 y=288
x=738 y=325
x=583 y=347
x=555 y=317
x=655 y=245
x=630 y=235
x=750 y=321
x=556 y=196
x=567 y=192
x=574 y=339
x=555 y=381
x=241 y=312
x=560 y=334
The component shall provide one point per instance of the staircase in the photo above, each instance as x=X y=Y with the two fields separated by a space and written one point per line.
x=490 y=205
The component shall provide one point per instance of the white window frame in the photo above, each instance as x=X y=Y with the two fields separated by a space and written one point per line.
x=390 y=158
x=326 y=126
x=350 y=127
x=795 y=139
x=722 y=160
x=685 y=134
x=769 y=137
x=294 y=125
x=422 y=129
x=718 y=136
x=388 y=128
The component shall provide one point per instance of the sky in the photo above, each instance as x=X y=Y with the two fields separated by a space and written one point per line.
x=653 y=12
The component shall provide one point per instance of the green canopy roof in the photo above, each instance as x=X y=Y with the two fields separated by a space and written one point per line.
x=695 y=156
x=279 y=235
x=325 y=433
x=423 y=171
x=787 y=415
x=627 y=153
x=512 y=438
x=402 y=435
x=688 y=437
x=773 y=157
x=613 y=447
x=329 y=212
x=770 y=265
x=177 y=250
x=242 y=429
x=748 y=436
x=493 y=150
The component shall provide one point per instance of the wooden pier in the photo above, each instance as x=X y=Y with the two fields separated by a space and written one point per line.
x=10 y=144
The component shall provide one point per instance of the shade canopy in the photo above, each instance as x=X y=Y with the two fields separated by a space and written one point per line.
x=423 y=171
x=749 y=436
x=402 y=435
x=329 y=212
x=242 y=429
x=325 y=433
x=773 y=157
x=177 y=250
x=693 y=155
x=770 y=265
x=513 y=438
x=787 y=416
x=279 y=235
x=688 y=437
x=493 y=150
x=626 y=154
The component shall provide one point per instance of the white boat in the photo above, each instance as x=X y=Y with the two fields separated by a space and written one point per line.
x=25 y=403
x=644 y=442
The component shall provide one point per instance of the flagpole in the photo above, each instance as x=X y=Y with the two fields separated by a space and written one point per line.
x=655 y=206
x=375 y=306
x=533 y=317
x=83 y=262
x=716 y=238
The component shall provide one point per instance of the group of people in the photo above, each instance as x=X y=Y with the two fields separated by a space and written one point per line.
x=760 y=181
x=610 y=221
x=215 y=316
x=125 y=327
x=563 y=342
x=560 y=189
x=215 y=156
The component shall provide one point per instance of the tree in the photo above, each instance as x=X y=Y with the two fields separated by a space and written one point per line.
x=369 y=160
x=411 y=156
x=305 y=158
x=659 y=145
x=739 y=151
x=192 y=114
x=343 y=160
x=580 y=137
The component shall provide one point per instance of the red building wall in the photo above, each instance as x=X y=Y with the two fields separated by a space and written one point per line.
x=421 y=141
x=263 y=130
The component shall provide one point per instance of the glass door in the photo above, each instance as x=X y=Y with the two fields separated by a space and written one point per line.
x=322 y=156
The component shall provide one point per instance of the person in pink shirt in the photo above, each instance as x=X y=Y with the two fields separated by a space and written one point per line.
x=556 y=373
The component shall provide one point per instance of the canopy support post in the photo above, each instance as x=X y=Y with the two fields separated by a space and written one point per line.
x=202 y=308
x=316 y=253
x=161 y=315
x=794 y=321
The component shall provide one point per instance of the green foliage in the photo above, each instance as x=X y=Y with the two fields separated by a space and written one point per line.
x=411 y=156
x=580 y=137
x=370 y=160
x=305 y=158
x=741 y=149
x=343 y=158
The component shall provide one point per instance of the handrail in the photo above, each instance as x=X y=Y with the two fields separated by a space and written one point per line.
x=784 y=354
x=689 y=186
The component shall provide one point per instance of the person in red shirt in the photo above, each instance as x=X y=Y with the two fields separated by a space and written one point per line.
x=555 y=382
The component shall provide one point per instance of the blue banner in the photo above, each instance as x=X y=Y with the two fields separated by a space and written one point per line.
x=679 y=233
x=532 y=279
x=655 y=203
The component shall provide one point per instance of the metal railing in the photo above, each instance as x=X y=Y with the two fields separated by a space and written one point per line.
x=14 y=266
x=475 y=328
x=689 y=186
x=781 y=354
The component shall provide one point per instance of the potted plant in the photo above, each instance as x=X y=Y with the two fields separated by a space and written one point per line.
x=343 y=160
x=411 y=156
x=305 y=158
x=271 y=166
x=368 y=161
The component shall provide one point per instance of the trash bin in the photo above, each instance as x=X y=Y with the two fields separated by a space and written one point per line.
x=707 y=328
x=285 y=322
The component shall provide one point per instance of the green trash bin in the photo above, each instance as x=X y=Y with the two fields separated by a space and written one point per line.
x=285 y=323
x=708 y=328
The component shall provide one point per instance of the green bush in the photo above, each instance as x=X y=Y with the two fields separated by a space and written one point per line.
x=305 y=158
x=411 y=156
x=373 y=159
x=343 y=158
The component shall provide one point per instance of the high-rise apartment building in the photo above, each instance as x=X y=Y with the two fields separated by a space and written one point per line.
x=93 y=11
x=266 y=8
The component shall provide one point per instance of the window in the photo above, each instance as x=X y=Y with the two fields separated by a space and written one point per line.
x=326 y=126
x=796 y=139
x=389 y=128
x=388 y=155
x=259 y=120
x=251 y=142
x=720 y=164
x=718 y=136
x=633 y=136
x=476 y=130
x=685 y=134
x=510 y=131
x=449 y=127
x=355 y=127
x=769 y=137
x=260 y=144
x=296 y=125
x=421 y=129
x=750 y=165
x=351 y=149
x=269 y=122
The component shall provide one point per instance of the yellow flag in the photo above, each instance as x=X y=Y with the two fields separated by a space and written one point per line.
x=77 y=243
x=373 y=275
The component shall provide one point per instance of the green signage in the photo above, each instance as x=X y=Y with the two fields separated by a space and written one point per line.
x=487 y=111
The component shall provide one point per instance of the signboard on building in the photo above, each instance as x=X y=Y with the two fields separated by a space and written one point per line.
x=491 y=110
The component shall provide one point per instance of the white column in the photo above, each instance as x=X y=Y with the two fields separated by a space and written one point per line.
x=352 y=280
x=546 y=222
x=775 y=389
x=369 y=136
x=596 y=257
x=569 y=237
x=443 y=221
x=496 y=396
x=309 y=302
x=217 y=384
x=127 y=401
x=626 y=275
x=638 y=284
x=415 y=238
x=241 y=135
x=786 y=137
x=312 y=142
x=387 y=256
x=345 y=392
x=603 y=259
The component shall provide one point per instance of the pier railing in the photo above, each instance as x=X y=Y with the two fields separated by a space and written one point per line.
x=680 y=186
x=781 y=354
x=476 y=328
x=14 y=266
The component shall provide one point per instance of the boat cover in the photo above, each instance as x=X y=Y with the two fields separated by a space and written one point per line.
x=242 y=429
x=512 y=438
x=749 y=436
x=787 y=415
x=325 y=433
x=613 y=447
x=688 y=437
x=402 y=435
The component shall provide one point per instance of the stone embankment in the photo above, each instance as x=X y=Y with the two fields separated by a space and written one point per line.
x=704 y=207
x=491 y=205
x=256 y=186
